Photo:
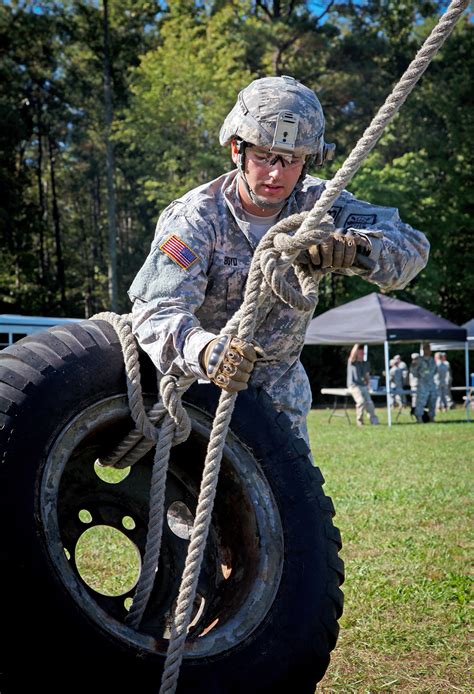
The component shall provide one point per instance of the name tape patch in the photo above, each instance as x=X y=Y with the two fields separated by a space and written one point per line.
x=359 y=221
x=178 y=251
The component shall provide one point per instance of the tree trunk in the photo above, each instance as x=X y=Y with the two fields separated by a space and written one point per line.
x=42 y=267
x=112 y=267
x=57 y=227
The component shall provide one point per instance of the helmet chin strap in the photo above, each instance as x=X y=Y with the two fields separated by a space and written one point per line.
x=256 y=199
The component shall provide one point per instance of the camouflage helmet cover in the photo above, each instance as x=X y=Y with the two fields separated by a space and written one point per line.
x=265 y=109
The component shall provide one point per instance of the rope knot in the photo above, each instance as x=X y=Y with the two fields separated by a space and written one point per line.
x=171 y=392
x=308 y=232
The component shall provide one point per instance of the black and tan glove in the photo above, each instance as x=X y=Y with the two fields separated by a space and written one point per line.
x=342 y=249
x=228 y=362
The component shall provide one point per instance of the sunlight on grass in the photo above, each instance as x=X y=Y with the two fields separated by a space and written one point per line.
x=403 y=497
x=107 y=561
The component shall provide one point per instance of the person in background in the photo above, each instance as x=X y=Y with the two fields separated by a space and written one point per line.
x=358 y=374
x=450 y=381
x=442 y=380
x=413 y=380
x=426 y=394
x=396 y=374
x=404 y=368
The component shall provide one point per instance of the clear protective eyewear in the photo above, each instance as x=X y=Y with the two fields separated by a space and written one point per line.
x=262 y=157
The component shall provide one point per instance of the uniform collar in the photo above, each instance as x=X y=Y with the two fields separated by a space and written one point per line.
x=234 y=204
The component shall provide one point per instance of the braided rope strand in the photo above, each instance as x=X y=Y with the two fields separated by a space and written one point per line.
x=155 y=524
x=176 y=419
x=386 y=113
x=197 y=543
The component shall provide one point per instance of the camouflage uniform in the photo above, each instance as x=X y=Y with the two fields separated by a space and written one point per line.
x=193 y=279
x=396 y=385
x=424 y=370
x=413 y=380
x=442 y=379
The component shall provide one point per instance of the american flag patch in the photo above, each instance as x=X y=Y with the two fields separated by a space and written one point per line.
x=179 y=252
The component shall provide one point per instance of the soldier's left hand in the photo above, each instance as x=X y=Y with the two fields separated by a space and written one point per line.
x=338 y=250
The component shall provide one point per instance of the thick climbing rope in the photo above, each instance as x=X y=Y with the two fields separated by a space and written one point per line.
x=175 y=428
x=276 y=252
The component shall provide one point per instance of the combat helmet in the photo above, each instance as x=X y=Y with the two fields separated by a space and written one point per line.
x=281 y=115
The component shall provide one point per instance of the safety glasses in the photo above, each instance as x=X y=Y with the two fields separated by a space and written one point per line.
x=261 y=157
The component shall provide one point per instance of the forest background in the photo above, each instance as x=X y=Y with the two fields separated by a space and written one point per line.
x=110 y=109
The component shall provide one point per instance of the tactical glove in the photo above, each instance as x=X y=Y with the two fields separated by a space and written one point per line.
x=340 y=250
x=228 y=362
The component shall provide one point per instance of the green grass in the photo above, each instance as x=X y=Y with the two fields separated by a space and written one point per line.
x=403 y=498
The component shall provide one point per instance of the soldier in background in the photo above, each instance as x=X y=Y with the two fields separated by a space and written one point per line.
x=193 y=279
x=397 y=383
x=426 y=393
x=404 y=368
x=413 y=380
x=449 y=397
x=442 y=380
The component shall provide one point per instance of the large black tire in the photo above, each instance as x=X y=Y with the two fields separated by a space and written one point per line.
x=269 y=588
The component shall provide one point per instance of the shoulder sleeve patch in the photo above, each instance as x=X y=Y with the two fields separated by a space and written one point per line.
x=178 y=251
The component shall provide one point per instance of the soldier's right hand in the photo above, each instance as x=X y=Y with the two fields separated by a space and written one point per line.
x=228 y=362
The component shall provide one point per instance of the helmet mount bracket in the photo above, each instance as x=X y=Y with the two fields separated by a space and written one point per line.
x=286 y=131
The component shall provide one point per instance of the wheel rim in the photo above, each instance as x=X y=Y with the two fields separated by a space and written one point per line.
x=242 y=565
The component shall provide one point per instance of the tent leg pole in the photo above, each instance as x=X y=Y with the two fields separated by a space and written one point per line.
x=387 y=382
x=468 y=390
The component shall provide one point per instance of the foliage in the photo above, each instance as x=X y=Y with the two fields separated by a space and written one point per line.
x=173 y=121
x=424 y=167
x=176 y=69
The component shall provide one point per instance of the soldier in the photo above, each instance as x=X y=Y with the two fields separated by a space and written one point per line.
x=426 y=391
x=397 y=382
x=193 y=279
x=358 y=374
x=449 y=380
x=404 y=368
x=413 y=380
x=442 y=380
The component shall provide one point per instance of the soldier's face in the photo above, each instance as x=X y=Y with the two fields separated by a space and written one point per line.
x=271 y=182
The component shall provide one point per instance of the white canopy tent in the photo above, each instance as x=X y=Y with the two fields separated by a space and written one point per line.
x=466 y=346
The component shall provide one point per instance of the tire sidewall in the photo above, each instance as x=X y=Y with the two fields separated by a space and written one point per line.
x=299 y=631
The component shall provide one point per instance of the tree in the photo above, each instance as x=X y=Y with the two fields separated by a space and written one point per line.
x=27 y=65
x=174 y=72
x=109 y=117
x=424 y=167
x=171 y=127
x=102 y=48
